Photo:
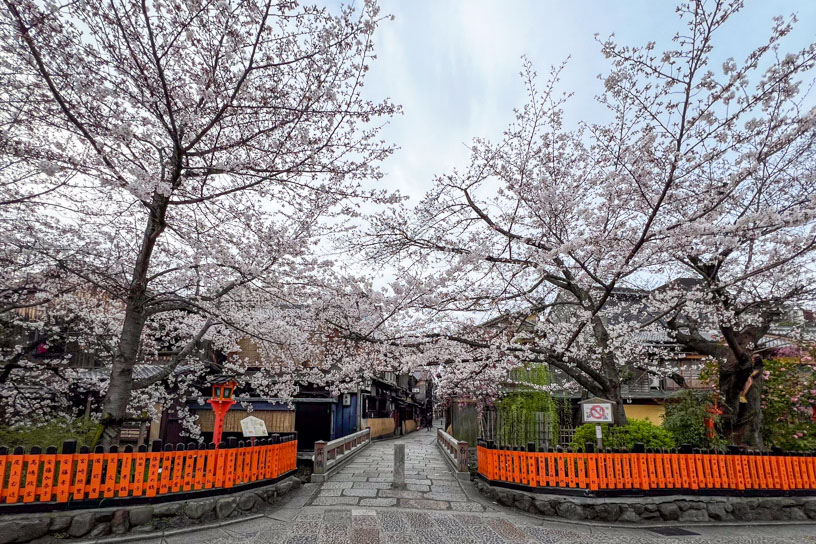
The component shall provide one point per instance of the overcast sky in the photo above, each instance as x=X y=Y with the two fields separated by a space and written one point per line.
x=454 y=65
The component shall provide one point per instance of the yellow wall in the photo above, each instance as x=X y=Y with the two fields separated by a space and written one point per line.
x=650 y=412
x=409 y=426
x=380 y=426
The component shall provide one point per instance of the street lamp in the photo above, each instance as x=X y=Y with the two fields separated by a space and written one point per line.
x=221 y=400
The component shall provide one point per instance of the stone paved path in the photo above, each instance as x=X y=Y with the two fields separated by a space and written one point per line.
x=366 y=479
x=357 y=506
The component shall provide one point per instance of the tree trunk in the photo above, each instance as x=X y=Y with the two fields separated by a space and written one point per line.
x=121 y=379
x=618 y=407
x=117 y=397
x=742 y=414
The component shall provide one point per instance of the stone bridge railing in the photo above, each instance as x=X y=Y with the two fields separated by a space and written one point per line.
x=328 y=456
x=454 y=451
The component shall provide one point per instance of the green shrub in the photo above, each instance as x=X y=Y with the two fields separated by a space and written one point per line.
x=649 y=434
x=53 y=433
x=685 y=419
x=788 y=395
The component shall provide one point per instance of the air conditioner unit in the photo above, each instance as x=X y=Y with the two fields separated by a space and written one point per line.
x=346 y=399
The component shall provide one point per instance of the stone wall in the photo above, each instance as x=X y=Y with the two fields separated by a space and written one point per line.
x=139 y=519
x=671 y=508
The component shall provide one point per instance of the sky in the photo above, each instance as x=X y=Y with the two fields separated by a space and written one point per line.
x=454 y=65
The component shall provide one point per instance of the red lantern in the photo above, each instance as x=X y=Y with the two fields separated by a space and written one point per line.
x=221 y=401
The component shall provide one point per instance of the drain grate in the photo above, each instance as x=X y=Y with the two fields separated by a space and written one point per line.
x=672 y=531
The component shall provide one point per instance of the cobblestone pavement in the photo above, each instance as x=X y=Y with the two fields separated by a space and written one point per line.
x=357 y=506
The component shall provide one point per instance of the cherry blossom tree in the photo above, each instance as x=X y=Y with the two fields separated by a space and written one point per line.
x=194 y=153
x=698 y=167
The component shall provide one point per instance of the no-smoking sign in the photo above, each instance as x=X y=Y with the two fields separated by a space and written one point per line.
x=597 y=413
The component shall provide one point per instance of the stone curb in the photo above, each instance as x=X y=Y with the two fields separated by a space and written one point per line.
x=114 y=524
x=655 y=511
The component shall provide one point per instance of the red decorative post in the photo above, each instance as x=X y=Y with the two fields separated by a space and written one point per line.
x=222 y=393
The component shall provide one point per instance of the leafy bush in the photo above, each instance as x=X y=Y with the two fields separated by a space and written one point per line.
x=53 y=433
x=649 y=434
x=788 y=395
x=685 y=419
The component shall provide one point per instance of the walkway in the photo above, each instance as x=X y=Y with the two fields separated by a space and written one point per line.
x=357 y=506
x=366 y=480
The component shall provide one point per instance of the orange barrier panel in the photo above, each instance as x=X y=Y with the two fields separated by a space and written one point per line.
x=123 y=487
x=14 y=478
x=189 y=469
x=47 y=476
x=32 y=463
x=64 y=477
x=70 y=476
x=95 y=485
x=647 y=471
x=139 y=475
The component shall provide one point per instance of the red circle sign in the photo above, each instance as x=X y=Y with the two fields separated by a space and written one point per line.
x=597 y=412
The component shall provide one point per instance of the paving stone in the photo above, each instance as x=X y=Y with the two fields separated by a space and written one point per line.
x=334 y=501
x=418 y=487
x=418 y=520
x=488 y=536
x=335 y=534
x=378 y=502
x=306 y=528
x=371 y=485
x=400 y=494
x=337 y=485
x=470 y=519
x=450 y=526
x=424 y=504
x=399 y=539
x=417 y=481
x=431 y=536
x=337 y=516
x=392 y=521
x=467 y=507
x=548 y=535
x=446 y=496
x=367 y=520
x=507 y=530
x=365 y=535
x=300 y=539
x=330 y=493
x=360 y=492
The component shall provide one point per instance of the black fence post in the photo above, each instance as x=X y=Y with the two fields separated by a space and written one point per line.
x=156 y=446
x=69 y=447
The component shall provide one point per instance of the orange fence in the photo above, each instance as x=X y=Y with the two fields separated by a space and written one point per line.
x=62 y=477
x=649 y=471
